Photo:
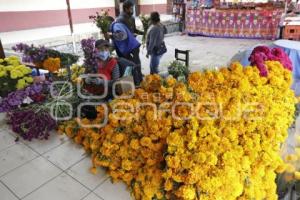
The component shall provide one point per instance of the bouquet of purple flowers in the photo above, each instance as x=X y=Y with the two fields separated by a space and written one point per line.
x=33 y=93
x=263 y=53
x=31 y=124
x=90 y=59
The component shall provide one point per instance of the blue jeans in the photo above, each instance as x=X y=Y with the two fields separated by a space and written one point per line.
x=154 y=63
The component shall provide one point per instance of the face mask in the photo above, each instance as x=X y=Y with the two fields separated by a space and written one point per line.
x=103 y=55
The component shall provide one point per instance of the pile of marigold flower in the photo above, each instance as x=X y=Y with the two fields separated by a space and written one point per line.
x=216 y=137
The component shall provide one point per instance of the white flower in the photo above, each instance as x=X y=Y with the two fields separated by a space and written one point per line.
x=27 y=100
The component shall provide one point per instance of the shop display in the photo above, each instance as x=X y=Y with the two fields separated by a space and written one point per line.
x=251 y=24
x=235 y=19
x=179 y=10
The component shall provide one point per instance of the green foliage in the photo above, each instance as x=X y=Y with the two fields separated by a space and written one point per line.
x=178 y=70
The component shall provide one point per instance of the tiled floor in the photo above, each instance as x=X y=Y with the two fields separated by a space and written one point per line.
x=53 y=169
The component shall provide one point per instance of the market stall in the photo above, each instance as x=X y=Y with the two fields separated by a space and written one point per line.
x=234 y=21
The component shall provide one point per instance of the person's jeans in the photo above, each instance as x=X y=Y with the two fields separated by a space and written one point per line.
x=134 y=56
x=154 y=63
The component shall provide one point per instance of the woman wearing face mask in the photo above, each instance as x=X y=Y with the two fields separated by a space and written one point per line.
x=107 y=67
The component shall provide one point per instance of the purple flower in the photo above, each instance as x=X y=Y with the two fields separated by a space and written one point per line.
x=30 y=124
x=16 y=98
x=88 y=47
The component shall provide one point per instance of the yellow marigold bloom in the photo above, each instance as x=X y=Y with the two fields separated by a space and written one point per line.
x=297 y=151
x=14 y=74
x=171 y=81
x=52 y=64
x=28 y=79
x=297 y=175
x=281 y=168
x=290 y=168
x=291 y=158
x=212 y=159
x=3 y=73
x=24 y=69
x=134 y=144
x=93 y=170
x=187 y=192
x=199 y=157
x=168 y=185
x=298 y=140
x=146 y=141
x=21 y=84
x=119 y=138
x=126 y=165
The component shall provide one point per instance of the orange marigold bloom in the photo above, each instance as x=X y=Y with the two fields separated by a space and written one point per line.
x=52 y=64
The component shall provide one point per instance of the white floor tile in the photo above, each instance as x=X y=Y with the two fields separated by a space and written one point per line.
x=6 y=140
x=30 y=176
x=42 y=146
x=6 y=194
x=61 y=188
x=92 y=196
x=81 y=172
x=66 y=155
x=110 y=191
x=14 y=157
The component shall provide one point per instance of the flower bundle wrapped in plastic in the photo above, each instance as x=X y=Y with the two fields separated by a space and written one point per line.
x=13 y=75
x=218 y=137
x=261 y=54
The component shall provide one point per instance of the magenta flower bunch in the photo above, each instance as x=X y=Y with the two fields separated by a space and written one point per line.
x=261 y=54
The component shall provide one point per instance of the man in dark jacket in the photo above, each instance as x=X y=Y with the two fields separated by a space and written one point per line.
x=121 y=37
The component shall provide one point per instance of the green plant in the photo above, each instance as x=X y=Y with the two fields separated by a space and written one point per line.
x=102 y=21
x=178 y=70
x=145 y=19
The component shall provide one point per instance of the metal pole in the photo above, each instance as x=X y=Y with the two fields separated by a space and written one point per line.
x=71 y=25
x=2 y=54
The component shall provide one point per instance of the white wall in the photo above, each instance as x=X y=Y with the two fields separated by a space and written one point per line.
x=150 y=2
x=36 y=5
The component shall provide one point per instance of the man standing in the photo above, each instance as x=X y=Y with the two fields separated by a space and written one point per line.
x=124 y=33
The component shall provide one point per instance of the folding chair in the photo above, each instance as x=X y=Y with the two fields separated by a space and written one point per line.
x=186 y=53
